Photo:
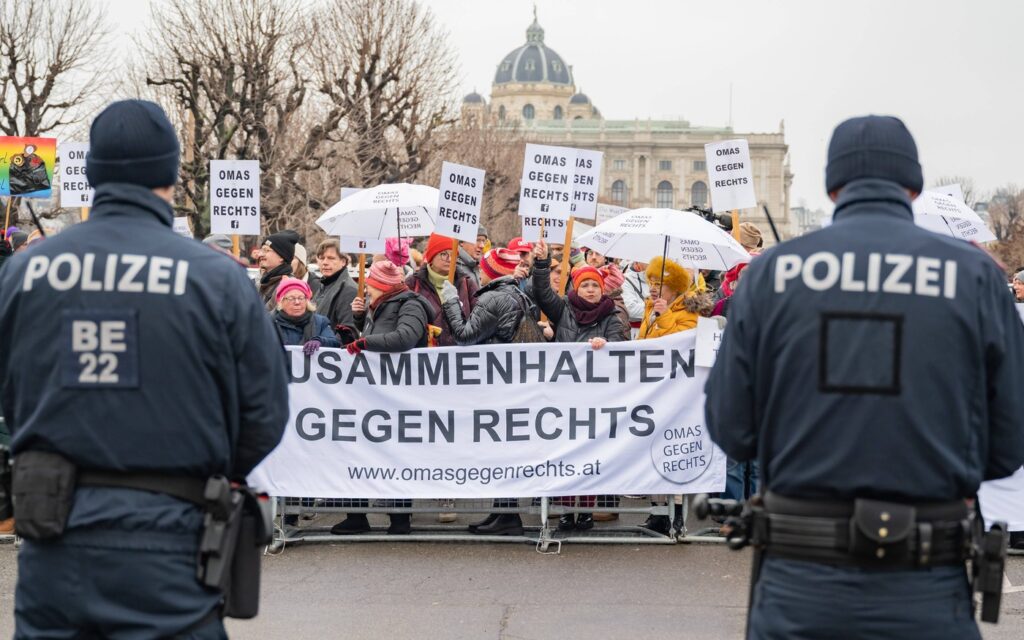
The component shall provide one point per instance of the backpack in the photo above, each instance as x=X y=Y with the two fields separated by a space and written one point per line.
x=528 y=329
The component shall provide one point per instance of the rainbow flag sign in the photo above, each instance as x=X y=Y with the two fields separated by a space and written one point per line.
x=26 y=166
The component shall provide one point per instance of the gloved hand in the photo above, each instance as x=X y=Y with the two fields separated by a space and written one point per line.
x=449 y=292
x=311 y=347
x=356 y=346
x=5 y=249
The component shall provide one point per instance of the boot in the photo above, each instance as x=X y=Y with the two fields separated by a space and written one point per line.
x=584 y=521
x=400 y=524
x=658 y=524
x=677 y=520
x=353 y=524
x=567 y=522
x=509 y=524
x=483 y=523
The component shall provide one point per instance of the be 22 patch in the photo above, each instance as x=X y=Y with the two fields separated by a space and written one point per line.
x=100 y=349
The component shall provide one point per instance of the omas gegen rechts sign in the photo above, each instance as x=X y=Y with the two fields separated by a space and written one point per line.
x=235 y=197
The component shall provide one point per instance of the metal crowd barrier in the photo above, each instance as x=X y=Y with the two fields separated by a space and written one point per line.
x=540 y=522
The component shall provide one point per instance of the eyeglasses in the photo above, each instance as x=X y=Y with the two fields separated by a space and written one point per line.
x=293 y=299
x=445 y=255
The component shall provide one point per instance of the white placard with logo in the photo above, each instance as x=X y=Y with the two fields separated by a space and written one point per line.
x=554 y=229
x=235 y=197
x=709 y=339
x=569 y=420
x=547 y=184
x=730 y=176
x=460 y=200
x=181 y=227
x=585 y=184
x=74 y=186
x=606 y=212
x=352 y=244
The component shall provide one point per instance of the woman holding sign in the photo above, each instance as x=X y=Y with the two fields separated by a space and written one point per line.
x=585 y=315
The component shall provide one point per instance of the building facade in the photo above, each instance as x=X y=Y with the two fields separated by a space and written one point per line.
x=647 y=163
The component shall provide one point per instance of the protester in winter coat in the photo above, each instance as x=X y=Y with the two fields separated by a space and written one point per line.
x=300 y=269
x=499 y=305
x=635 y=292
x=337 y=290
x=500 y=308
x=429 y=280
x=1018 y=286
x=296 y=321
x=729 y=282
x=674 y=304
x=395 y=320
x=585 y=314
x=470 y=254
x=276 y=263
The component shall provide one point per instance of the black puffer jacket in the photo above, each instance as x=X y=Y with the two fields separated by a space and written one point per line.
x=558 y=310
x=499 y=309
x=398 y=324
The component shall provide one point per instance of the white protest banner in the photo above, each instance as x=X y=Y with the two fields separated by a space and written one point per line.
x=1003 y=500
x=606 y=212
x=730 y=175
x=709 y=339
x=74 y=186
x=554 y=229
x=352 y=244
x=497 y=420
x=235 y=197
x=585 y=184
x=181 y=227
x=546 y=188
x=458 y=208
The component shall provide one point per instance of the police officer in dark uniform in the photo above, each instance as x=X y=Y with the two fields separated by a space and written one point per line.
x=129 y=352
x=873 y=368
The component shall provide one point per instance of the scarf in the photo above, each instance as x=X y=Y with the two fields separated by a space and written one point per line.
x=590 y=312
x=278 y=272
x=436 y=280
x=328 y=280
x=395 y=290
x=304 y=322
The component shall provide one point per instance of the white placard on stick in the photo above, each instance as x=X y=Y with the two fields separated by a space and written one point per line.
x=352 y=244
x=74 y=186
x=458 y=206
x=235 y=197
x=709 y=339
x=547 y=184
x=554 y=229
x=181 y=227
x=730 y=175
x=586 y=183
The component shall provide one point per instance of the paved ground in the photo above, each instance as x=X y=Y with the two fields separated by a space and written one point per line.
x=504 y=591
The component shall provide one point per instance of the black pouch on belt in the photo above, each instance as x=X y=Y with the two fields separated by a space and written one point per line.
x=242 y=596
x=43 y=489
x=882 y=533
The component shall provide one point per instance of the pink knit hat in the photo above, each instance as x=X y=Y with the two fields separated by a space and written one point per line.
x=397 y=250
x=292 y=284
x=384 y=275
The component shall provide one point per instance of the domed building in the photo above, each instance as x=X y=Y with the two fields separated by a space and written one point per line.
x=647 y=163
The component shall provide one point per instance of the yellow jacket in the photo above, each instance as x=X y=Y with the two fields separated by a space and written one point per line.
x=679 y=317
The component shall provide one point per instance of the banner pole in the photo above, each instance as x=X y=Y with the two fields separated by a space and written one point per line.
x=85 y=213
x=235 y=249
x=362 y=276
x=736 y=224
x=454 y=260
x=7 y=218
x=563 y=279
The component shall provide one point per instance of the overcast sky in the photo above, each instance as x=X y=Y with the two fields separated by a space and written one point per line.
x=951 y=69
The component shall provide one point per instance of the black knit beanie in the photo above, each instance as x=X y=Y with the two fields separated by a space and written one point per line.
x=283 y=244
x=133 y=141
x=873 y=147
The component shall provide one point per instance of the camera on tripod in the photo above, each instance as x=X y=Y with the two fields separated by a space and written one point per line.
x=723 y=221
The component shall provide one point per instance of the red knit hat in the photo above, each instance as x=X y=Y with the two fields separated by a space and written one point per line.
x=499 y=262
x=519 y=245
x=436 y=245
x=586 y=272
x=384 y=275
x=292 y=284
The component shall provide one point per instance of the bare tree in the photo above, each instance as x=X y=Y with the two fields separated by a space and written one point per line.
x=390 y=78
x=1004 y=210
x=232 y=71
x=50 y=51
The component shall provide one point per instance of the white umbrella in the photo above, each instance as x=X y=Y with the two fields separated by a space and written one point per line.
x=385 y=211
x=682 y=236
x=943 y=213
